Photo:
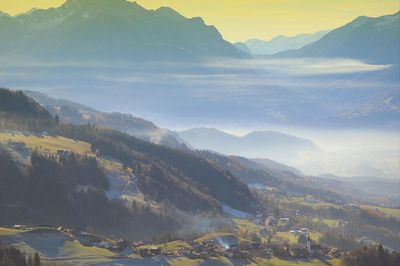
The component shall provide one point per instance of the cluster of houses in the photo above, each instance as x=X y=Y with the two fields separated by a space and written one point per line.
x=218 y=246
x=150 y=252
x=228 y=245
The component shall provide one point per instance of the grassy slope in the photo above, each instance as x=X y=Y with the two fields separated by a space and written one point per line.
x=387 y=211
x=212 y=235
x=278 y=262
x=53 y=245
x=170 y=246
x=300 y=200
x=247 y=225
x=47 y=143
x=329 y=222
x=222 y=261
x=292 y=238
x=8 y=231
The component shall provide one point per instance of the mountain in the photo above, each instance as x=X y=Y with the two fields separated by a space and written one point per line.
x=2 y=14
x=374 y=40
x=279 y=43
x=97 y=30
x=70 y=112
x=19 y=112
x=265 y=144
x=286 y=182
x=269 y=164
x=176 y=177
x=372 y=189
x=242 y=47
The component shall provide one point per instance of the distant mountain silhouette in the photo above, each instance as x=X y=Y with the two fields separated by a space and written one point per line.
x=78 y=114
x=374 y=40
x=265 y=144
x=279 y=43
x=110 y=30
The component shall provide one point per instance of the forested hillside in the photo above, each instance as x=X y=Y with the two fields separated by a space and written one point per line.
x=179 y=178
x=17 y=111
x=70 y=192
x=157 y=166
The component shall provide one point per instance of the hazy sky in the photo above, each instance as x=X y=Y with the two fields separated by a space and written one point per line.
x=240 y=20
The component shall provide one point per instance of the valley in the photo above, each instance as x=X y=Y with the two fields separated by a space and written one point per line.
x=274 y=234
x=199 y=133
x=249 y=241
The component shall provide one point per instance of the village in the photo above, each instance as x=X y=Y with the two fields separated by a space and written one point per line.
x=232 y=245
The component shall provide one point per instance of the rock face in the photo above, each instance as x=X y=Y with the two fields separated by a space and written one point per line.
x=374 y=40
x=110 y=30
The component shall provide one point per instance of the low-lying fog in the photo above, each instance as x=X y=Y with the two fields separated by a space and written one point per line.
x=322 y=100
x=343 y=152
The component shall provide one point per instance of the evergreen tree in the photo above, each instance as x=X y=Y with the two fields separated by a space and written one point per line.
x=36 y=260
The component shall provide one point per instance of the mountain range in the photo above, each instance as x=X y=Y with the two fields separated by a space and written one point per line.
x=279 y=43
x=119 y=30
x=95 y=30
x=374 y=40
x=160 y=172
x=266 y=144
x=74 y=113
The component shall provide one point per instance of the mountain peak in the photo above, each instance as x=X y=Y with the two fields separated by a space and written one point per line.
x=167 y=10
x=169 y=13
x=111 y=6
x=2 y=14
x=371 y=39
x=95 y=2
x=105 y=30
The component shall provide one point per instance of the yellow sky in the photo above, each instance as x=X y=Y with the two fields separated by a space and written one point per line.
x=240 y=20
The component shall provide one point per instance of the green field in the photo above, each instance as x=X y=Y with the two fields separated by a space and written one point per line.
x=329 y=222
x=47 y=143
x=212 y=235
x=53 y=245
x=289 y=237
x=393 y=212
x=8 y=231
x=182 y=261
x=247 y=225
x=170 y=246
x=300 y=200
x=292 y=238
x=279 y=262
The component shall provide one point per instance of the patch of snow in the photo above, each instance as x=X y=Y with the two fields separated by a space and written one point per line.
x=122 y=186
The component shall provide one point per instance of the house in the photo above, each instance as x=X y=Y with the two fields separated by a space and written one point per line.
x=311 y=200
x=313 y=249
x=19 y=226
x=284 y=220
x=155 y=251
x=271 y=221
x=145 y=253
x=299 y=253
x=103 y=244
x=304 y=230
x=336 y=253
